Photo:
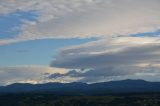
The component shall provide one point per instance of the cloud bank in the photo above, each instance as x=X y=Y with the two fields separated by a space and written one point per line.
x=84 y=18
x=108 y=58
x=27 y=74
x=115 y=54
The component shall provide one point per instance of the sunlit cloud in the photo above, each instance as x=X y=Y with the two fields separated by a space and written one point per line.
x=26 y=74
x=127 y=39
x=84 y=18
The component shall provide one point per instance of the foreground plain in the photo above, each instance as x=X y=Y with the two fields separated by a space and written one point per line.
x=53 y=100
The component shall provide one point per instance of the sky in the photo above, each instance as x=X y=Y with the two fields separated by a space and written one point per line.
x=79 y=40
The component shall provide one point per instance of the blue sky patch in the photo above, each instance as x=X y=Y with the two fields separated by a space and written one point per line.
x=147 y=34
x=37 y=52
x=10 y=24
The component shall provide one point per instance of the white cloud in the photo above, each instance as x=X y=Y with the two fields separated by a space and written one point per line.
x=85 y=18
x=90 y=18
x=26 y=74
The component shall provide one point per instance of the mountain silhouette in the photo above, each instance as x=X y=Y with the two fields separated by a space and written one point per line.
x=79 y=88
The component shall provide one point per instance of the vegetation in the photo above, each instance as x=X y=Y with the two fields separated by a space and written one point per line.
x=52 y=100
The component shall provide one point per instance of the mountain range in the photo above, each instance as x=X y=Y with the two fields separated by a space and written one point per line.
x=79 y=88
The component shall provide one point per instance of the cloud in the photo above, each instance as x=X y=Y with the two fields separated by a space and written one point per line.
x=117 y=51
x=85 y=18
x=26 y=74
x=118 y=56
x=114 y=57
x=146 y=72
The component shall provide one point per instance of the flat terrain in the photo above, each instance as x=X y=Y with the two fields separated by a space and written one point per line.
x=52 y=100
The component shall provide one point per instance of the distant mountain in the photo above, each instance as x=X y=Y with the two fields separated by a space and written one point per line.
x=78 y=88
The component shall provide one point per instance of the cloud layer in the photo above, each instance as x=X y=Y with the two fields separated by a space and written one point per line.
x=114 y=57
x=115 y=54
x=84 y=18
x=26 y=74
x=116 y=51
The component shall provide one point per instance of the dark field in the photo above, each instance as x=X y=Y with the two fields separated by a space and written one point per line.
x=52 y=100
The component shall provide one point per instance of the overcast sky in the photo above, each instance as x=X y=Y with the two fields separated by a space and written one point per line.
x=79 y=40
